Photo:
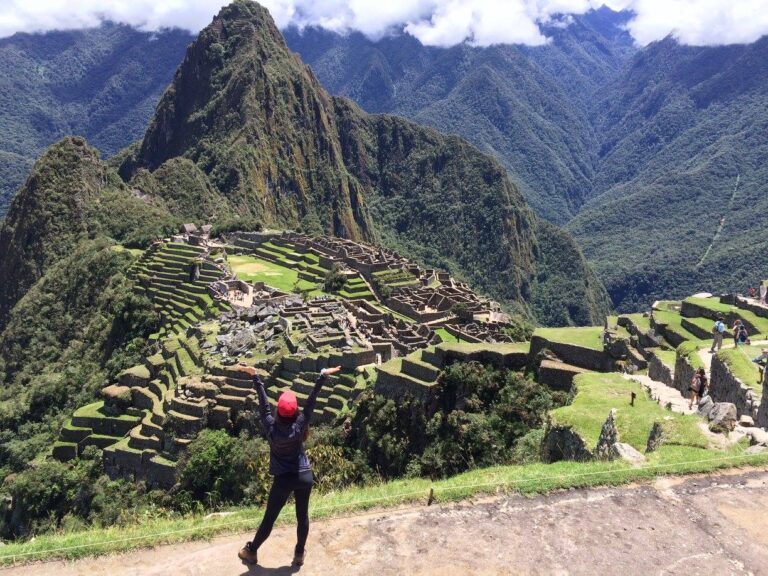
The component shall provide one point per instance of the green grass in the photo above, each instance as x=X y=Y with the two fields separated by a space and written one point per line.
x=447 y=336
x=672 y=322
x=641 y=322
x=710 y=304
x=667 y=357
x=597 y=394
x=587 y=337
x=252 y=269
x=528 y=479
x=690 y=350
x=739 y=362
x=95 y=410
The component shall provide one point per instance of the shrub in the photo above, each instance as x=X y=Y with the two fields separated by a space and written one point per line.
x=335 y=279
x=218 y=468
x=477 y=419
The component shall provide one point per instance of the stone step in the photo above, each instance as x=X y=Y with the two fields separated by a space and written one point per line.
x=239 y=392
x=185 y=425
x=140 y=442
x=236 y=402
x=183 y=406
x=149 y=428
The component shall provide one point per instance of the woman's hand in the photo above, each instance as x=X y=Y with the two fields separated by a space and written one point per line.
x=329 y=371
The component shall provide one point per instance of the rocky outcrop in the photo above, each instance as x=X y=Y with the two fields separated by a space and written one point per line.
x=562 y=443
x=609 y=435
x=723 y=417
x=762 y=412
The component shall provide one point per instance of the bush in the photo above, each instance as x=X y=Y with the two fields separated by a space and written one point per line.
x=218 y=468
x=335 y=279
x=478 y=418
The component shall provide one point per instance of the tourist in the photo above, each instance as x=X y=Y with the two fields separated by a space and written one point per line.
x=698 y=387
x=288 y=463
x=717 y=333
x=736 y=330
x=742 y=337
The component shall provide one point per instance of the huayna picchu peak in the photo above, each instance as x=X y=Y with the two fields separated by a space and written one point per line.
x=248 y=120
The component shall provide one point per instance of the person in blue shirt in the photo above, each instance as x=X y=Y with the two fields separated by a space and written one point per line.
x=288 y=462
x=717 y=333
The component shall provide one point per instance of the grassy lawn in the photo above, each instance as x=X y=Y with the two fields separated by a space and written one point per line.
x=641 y=322
x=739 y=360
x=528 y=479
x=597 y=394
x=587 y=337
x=672 y=322
x=252 y=269
x=667 y=357
x=710 y=304
x=447 y=336
x=470 y=347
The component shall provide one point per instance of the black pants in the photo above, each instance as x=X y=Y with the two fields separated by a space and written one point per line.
x=282 y=486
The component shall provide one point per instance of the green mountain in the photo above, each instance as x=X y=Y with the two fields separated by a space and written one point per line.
x=244 y=134
x=246 y=119
x=677 y=202
x=639 y=151
x=529 y=107
x=70 y=196
x=102 y=83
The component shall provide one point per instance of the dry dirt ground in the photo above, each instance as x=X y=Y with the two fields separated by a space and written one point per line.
x=714 y=524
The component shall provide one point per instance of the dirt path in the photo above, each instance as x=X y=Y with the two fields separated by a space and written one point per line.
x=703 y=525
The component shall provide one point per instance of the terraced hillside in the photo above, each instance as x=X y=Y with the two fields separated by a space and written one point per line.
x=176 y=277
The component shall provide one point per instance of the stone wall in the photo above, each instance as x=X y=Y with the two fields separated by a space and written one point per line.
x=557 y=375
x=762 y=411
x=587 y=358
x=395 y=385
x=758 y=310
x=684 y=371
x=659 y=371
x=724 y=386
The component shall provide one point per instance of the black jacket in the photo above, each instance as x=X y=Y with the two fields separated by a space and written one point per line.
x=286 y=439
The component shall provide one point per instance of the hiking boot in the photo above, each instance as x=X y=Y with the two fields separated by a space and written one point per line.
x=298 y=558
x=247 y=554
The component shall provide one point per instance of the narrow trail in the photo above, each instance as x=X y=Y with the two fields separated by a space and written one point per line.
x=706 y=524
x=722 y=223
x=663 y=394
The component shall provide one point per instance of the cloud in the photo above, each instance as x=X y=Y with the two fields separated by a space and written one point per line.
x=433 y=22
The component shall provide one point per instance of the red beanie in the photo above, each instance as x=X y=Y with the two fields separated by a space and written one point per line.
x=287 y=404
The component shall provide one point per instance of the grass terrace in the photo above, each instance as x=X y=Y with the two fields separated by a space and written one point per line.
x=597 y=394
x=739 y=361
x=672 y=322
x=587 y=337
x=253 y=269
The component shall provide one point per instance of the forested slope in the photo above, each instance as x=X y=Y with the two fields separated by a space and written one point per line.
x=102 y=83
